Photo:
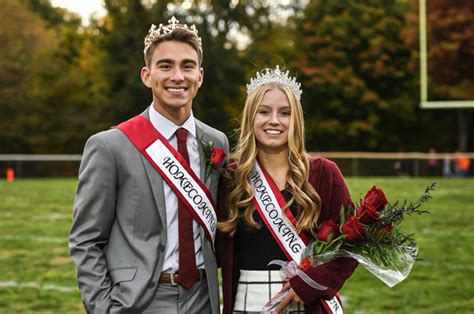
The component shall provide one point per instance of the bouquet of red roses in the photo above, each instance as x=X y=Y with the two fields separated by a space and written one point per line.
x=369 y=233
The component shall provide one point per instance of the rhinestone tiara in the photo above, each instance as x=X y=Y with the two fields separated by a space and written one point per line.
x=154 y=33
x=275 y=76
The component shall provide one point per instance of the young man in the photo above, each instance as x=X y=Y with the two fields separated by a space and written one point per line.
x=144 y=217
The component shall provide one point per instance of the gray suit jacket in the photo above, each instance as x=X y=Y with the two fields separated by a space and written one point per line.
x=118 y=235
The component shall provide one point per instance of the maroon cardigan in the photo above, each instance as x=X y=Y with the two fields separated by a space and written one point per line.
x=327 y=179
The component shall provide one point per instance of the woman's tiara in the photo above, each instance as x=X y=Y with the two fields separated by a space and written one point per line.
x=275 y=76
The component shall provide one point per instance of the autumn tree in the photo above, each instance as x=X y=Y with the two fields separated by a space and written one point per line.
x=450 y=37
x=120 y=37
x=358 y=92
x=26 y=49
x=220 y=23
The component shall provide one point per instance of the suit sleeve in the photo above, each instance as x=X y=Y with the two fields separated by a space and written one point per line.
x=93 y=216
x=332 y=274
x=222 y=239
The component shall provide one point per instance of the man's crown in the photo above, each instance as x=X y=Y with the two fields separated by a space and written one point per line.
x=275 y=76
x=154 y=33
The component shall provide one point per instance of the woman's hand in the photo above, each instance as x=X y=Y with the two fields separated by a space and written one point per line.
x=291 y=297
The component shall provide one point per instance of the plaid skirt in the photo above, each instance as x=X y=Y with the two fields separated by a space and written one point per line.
x=256 y=288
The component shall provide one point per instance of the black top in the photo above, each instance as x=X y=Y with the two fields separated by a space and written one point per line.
x=255 y=248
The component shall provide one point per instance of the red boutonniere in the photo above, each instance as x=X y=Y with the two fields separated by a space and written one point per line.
x=215 y=158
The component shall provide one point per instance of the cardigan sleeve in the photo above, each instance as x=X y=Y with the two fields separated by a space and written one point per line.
x=330 y=185
x=222 y=239
x=225 y=248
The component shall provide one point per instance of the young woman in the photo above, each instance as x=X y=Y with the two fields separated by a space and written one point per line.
x=272 y=202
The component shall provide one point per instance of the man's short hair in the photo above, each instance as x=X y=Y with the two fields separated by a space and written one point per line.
x=178 y=34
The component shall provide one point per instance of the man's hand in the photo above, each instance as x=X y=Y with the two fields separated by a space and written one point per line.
x=291 y=297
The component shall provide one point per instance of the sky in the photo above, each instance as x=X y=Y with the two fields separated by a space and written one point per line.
x=83 y=7
x=87 y=7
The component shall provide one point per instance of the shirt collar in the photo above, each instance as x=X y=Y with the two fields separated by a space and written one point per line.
x=168 y=128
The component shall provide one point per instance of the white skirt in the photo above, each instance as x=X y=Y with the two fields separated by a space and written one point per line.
x=256 y=288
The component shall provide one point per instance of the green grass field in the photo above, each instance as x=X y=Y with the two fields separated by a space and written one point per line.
x=37 y=275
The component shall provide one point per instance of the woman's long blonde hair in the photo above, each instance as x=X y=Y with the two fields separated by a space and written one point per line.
x=239 y=201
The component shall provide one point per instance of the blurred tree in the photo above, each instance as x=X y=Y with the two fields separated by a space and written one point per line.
x=120 y=37
x=53 y=16
x=450 y=36
x=59 y=125
x=26 y=47
x=273 y=43
x=223 y=25
x=220 y=23
x=61 y=81
x=45 y=99
x=358 y=92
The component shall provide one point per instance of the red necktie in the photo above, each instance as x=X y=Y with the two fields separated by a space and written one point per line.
x=187 y=256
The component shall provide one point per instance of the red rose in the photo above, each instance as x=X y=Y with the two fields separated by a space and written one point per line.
x=327 y=231
x=376 y=198
x=305 y=264
x=217 y=156
x=353 y=230
x=367 y=213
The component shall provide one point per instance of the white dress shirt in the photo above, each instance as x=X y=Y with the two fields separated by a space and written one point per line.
x=168 y=129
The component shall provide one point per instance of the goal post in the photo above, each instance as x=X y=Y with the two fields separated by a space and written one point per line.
x=425 y=103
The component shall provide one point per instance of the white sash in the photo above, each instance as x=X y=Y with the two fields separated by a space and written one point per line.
x=185 y=185
x=270 y=206
x=175 y=170
x=333 y=306
x=269 y=202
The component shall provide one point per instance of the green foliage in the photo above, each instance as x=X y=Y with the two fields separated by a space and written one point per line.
x=353 y=62
x=53 y=16
x=120 y=37
x=61 y=81
x=26 y=47
x=221 y=96
x=44 y=94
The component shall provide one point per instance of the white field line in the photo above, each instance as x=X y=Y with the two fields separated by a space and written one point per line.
x=49 y=217
x=34 y=285
x=33 y=238
x=53 y=217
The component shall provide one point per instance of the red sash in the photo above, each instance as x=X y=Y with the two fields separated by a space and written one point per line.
x=174 y=170
x=269 y=202
x=265 y=188
x=333 y=306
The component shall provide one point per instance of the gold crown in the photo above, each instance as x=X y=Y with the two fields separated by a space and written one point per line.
x=154 y=33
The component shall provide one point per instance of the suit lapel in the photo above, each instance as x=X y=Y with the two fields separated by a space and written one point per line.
x=156 y=182
x=202 y=137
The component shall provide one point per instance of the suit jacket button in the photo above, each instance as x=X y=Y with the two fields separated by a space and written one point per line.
x=151 y=285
